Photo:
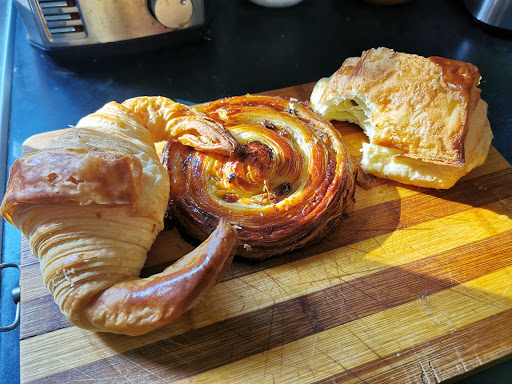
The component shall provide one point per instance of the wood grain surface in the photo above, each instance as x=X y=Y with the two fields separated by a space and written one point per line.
x=413 y=286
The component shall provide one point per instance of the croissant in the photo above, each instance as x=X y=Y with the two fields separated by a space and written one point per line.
x=288 y=185
x=92 y=203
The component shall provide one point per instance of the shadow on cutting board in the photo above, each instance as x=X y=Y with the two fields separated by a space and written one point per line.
x=414 y=287
x=406 y=319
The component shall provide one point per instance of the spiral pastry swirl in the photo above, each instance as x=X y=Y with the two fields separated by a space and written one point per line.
x=288 y=185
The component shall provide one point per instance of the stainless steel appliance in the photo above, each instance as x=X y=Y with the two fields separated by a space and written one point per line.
x=66 y=23
x=497 y=13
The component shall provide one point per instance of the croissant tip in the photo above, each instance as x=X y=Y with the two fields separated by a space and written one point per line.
x=225 y=225
x=235 y=149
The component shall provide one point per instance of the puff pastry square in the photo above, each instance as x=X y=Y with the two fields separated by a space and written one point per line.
x=426 y=123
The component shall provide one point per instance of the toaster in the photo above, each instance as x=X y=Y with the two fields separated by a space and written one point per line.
x=57 y=24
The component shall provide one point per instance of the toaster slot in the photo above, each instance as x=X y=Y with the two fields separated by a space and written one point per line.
x=61 y=19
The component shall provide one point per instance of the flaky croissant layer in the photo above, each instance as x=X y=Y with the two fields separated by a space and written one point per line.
x=288 y=185
x=92 y=203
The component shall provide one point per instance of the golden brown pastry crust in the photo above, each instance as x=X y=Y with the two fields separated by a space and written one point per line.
x=142 y=305
x=415 y=108
x=420 y=105
x=288 y=185
x=82 y=175
x=184 y=124
x=91 y=205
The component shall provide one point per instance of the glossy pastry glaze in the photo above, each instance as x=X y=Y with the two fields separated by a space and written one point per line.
x=288 y=185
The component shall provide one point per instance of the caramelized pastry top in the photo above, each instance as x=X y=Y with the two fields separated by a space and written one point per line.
x=288 y=184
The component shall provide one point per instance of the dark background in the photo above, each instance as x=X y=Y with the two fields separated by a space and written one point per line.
x=245 y=48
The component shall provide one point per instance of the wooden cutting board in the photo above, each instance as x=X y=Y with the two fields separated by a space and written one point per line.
x=415 y=286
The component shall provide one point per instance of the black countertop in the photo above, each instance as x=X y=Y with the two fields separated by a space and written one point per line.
x=247 y=49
